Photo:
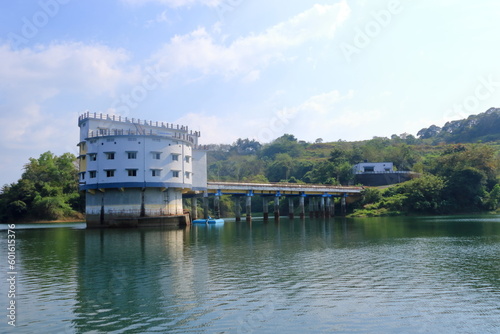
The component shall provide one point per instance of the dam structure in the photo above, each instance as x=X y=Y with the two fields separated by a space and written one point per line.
x=134 y=172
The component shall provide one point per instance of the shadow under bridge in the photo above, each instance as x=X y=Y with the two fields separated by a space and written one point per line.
x=320 y=199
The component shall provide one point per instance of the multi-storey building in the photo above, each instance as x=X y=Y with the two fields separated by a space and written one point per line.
x=135 y=170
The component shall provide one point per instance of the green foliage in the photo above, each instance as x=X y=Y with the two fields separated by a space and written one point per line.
x=476 y=128
x=47 y=190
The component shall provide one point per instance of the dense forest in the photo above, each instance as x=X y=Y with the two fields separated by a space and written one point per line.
x=476 y=128
x=458 y=165
x=47 y=190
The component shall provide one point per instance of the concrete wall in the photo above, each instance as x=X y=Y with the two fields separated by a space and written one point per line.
x=377 y=167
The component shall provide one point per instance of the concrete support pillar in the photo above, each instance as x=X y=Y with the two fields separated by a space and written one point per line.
x=249 y=208
x=194 y=208
x=217 y=206
x=322 y=207
x=301 y=207
x=317 y=207
x=237 y=208
x=205 y=206
x=265 y=206
x=311 y=207
x=328 y=209
x=343 y=205
x=332 y=208
x=277 y=207
x=290 y=207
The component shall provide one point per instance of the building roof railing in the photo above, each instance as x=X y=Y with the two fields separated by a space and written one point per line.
x=118 y=118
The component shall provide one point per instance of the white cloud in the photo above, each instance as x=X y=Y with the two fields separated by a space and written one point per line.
x=243 y=57
x=78 y=67
x=44 y=88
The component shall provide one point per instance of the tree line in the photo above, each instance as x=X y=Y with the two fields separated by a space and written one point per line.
x=454 y=177
x=47 y=190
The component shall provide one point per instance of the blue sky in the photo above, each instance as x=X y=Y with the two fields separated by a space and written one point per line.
x=231 y=69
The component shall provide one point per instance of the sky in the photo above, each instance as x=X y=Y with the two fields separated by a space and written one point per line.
x=335 y=70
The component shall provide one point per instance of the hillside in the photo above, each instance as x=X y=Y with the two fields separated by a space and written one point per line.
x=484 y=127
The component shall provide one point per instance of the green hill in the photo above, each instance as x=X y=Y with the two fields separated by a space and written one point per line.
x=484 y=127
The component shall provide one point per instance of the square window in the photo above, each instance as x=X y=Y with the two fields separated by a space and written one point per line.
x=92 y=174
x=156 y=155
x=156 y=172
x=110 y=155
x=132 y=172
x=188 y=158
x=132 y=155
x=187 y=175
x=110 y=173
x=175 y=157
x=92 y=157
x=82 y=175
x=175 y=173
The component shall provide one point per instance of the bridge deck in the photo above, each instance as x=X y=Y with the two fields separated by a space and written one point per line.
x=283 y=188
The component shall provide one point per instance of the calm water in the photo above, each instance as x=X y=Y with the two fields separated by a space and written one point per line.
x=391 y=275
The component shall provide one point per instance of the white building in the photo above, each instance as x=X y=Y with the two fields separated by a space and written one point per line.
x=373 y=167
x=131 y=168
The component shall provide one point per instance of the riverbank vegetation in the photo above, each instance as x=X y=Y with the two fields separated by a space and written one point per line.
x=47 y=190
x=458 y=167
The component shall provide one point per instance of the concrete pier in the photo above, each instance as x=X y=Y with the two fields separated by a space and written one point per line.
x=301 y=207
x=290 y=207
x=265 y=207
x=217 y=206
x=277 y=207
x=237 y=208
x=248 y=207
x=194 y=208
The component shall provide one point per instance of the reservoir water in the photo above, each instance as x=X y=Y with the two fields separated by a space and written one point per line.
x=377 y=275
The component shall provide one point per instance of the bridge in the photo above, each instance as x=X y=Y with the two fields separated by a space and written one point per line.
x=320 y=198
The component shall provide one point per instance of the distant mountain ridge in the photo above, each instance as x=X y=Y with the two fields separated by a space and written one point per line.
x=484 y=127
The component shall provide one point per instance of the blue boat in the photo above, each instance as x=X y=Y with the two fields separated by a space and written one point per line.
x=209 y=220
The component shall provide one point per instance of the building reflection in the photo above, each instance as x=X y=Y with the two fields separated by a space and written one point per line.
x=126 y=277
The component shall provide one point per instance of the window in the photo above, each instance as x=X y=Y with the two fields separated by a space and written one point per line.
x=132 y=155
x=156 y=155
x=92 y=174
x=82 y=175
x=156 y=172
x=110 y=173
x=187 y=175
x=110 y=140
x=132 y=139
x=92 y=156
x=175 y=157
x=110 y=155
x=187 y=158
x=369 y=168
x=175 y=173
x=132 y=172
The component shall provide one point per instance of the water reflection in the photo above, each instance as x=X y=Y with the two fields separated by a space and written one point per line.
x=371 y=275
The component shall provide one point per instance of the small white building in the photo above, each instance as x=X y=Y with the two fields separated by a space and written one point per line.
x=132 y=168
x=373 y=167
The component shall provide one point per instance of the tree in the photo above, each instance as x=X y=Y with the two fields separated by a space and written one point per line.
x=48 y=189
